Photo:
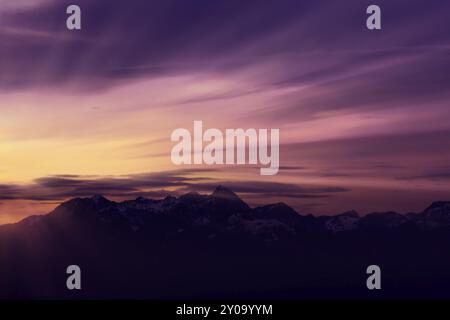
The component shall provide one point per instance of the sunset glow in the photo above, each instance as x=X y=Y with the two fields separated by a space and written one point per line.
x=363 y=119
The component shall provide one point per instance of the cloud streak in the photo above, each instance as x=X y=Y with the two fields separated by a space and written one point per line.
x=217 y=36
x=62 y=187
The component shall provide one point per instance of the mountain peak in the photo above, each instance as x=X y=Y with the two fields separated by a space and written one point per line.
x=223 y=192
x=99 y=199
x=438 y=205
x=351 y=213
x=436 y=215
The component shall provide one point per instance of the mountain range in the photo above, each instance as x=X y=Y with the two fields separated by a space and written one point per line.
x=216 y=246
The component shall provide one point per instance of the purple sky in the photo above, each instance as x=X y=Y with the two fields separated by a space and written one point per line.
x=364 y=115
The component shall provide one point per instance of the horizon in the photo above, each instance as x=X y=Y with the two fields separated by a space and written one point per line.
x=363 y=116
x=178 y=195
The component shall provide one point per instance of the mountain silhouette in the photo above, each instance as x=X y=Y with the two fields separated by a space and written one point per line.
x=216 y=246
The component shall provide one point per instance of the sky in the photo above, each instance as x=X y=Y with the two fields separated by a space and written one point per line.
x=363 y=115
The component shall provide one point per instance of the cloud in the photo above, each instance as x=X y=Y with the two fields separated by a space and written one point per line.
x=12 y=5
x=62 y=187
x=120 y=41
x=293 y=63
x=441 y=174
